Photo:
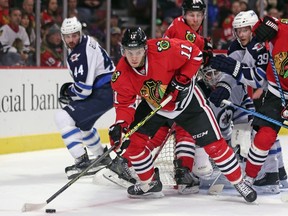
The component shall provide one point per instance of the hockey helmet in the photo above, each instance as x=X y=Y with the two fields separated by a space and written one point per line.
x=134 y=38
x=244 y=19
x=210 y=76
x=71 y=25
x=193 y=5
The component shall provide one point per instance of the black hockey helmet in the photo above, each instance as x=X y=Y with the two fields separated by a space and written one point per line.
x=134 y=38
x=193 y=5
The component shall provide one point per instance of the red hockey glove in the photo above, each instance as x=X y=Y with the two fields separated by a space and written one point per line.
x=207 y=51
x=64 y=97
x=178 y=87
x=116 y=133
x=266 y=30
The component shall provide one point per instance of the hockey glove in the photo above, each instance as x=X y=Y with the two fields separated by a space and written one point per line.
x=227 y=65
x=266 y=30
x=64 y=97
x=221 y=92
x=178 y=87
x=207 y=51
x=116 y=133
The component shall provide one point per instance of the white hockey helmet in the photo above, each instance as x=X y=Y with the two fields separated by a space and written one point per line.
x=244 y=19
x=210 y=76
x=71 y=25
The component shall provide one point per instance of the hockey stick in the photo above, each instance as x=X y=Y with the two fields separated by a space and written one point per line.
x=114 y=177
x=257 y=114
x=32 y=207
x=216 y=189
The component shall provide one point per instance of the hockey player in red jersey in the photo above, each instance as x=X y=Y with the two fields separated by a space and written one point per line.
x=188 y=27
x=274 y=33
x=154 y=69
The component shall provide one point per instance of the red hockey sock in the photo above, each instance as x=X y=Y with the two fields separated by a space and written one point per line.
x=263 y=141
x=225 y=160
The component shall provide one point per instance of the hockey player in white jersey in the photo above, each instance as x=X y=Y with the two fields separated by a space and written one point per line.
x=227 y=117
x=247 y=63
x=87 y=98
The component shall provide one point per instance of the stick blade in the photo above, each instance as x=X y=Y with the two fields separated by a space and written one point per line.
x=216 y=189
x=32 y=207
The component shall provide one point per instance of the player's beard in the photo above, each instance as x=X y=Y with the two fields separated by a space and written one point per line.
x=71 y=45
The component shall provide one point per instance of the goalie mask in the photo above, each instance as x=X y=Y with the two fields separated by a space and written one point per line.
x=241 y=20
x=210 y=76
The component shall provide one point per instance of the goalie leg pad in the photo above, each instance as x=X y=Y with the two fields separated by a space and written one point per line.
x=241 y=136
x=202 y=166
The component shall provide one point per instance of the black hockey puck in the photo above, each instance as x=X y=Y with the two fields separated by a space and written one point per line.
x=50 y=210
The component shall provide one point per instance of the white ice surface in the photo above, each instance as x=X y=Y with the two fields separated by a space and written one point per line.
x=35 y=176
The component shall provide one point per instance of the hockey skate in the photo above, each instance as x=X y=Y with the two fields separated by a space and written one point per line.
x=187 y=183
x=83 y=162
x=245 y=189
x=268 y=183
x=283 y=178
x=149 y=190
x=119 y=173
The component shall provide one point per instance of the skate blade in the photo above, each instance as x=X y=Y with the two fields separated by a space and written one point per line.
x=184 y=190
x=267 y=189
x=149 y=195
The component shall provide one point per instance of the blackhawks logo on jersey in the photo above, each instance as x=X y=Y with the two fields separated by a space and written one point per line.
x=190 y=36
x=163 y=45
x=115 y=76
x=153 y=91
x=281 y=64
x=284 y=21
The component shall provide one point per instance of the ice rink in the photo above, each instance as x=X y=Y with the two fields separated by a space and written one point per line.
x=35 y=176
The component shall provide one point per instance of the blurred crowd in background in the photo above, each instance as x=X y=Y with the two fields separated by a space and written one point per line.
x=18 y=37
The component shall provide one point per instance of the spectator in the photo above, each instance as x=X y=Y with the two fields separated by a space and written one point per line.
x=26 y=23
x=51 y=48
x=51 y=13
x=28 y=7
x=4 y=12
x=227 y=31
x=15 y=40
x=72 y=8
x=244 y=5
x=115 y=52
x=115 y=20
x=87 y=10
x=274 y=12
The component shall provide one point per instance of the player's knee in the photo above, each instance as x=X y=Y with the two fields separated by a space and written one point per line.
x=216 y=149
x=63 y=119
x=265 y=138
x=137 y=145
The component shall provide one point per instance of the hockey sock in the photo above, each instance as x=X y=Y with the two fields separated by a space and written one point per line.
x=92 y=140
x=225 y=160
x=141 y=157
x=263 y=141
x=185 y=147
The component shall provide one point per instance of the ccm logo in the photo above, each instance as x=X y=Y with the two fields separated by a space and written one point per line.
x=197 y=136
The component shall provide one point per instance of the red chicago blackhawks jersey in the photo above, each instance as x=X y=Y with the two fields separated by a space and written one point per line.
x=279 y=46
x=179 y=29
x=165 y=58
